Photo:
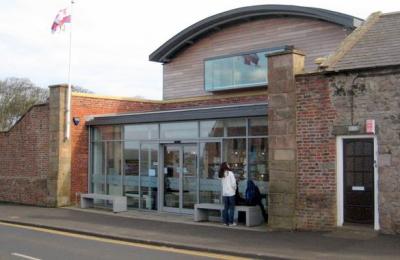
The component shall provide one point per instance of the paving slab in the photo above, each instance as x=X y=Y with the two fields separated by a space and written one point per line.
x=182 y=232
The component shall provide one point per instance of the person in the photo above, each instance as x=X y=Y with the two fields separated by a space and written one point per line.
x=253 y=197
x=228 y=193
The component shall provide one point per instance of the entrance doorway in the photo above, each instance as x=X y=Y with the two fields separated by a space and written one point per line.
x=180 y=177
x=358 y=180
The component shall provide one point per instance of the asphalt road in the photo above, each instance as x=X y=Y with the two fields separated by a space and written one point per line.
x=18 y=242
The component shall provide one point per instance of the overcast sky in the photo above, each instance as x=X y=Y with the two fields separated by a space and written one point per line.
x=112 y=40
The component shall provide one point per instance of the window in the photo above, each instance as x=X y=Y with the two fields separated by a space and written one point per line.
x=240 y=71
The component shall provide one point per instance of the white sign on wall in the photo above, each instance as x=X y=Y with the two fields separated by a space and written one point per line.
x=370 y=126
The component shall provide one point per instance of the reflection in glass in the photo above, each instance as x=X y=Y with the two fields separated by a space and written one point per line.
x=189 y=175
x=113 y=162
x=109 y=132
x=98 y=172
x=245 y=70
x=212 y=128
x=235 y=156
x=258 y=126
x=131 y=171
x=210 y=184
x=141 y=132
x=171 y=176
x=182 y=130
x=148 y=176
x=236 y=127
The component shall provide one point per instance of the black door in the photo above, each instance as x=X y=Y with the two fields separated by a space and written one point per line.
x=358 y=181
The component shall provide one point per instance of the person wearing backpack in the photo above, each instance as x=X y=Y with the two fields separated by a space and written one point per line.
x=228 y=193
x=253 y=197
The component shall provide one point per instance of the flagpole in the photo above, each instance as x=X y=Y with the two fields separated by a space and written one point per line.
x=68 y=106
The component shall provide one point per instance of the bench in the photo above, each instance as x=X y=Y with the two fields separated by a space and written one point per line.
x=119 y=202
x=253 y=213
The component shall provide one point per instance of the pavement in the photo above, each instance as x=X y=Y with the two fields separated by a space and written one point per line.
x=182 y=232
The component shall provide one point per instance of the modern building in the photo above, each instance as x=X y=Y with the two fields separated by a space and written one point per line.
x=300 y=100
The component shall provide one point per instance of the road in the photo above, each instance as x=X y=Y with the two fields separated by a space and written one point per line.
x=20 y=242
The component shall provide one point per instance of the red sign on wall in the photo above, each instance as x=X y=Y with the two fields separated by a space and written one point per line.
x=370 y=126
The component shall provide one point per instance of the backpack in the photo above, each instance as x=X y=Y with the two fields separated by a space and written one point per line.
x=252 y=195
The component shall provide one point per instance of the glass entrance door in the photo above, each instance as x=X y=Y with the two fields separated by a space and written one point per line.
x=180 y=177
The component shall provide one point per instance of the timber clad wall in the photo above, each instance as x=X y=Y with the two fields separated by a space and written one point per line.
x=24 y=160
x=184 y=75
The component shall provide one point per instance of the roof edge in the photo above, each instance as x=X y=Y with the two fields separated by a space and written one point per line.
x=197 y=30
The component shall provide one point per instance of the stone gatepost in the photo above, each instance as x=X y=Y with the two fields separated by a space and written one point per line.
x=282 y=68
x=59 y=179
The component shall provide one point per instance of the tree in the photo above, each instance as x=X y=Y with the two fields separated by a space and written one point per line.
x=17 y=95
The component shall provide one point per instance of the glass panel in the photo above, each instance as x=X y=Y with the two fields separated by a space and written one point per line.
x=258 y=126
x=113 y=160
x=148 y=176
x=141 y=132
x=131 y=171
x=258 y=163
x=189 y=176
x=98 y=172
x=210 y=184
x=240 y=71
x=101 y=133
x=171 y=176
x=236 y=127
x=212 y=128
x=182 y=130
x=235 y=156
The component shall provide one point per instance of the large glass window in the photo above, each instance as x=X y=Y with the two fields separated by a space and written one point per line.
x=108 y=132
x=141 y=132
x=148 y=176
x=113 y=162
x=181 y=130
x=212 y=128
x=131 y=172
x=98 y=173
x=240 y=71
x=210 y=161
x=258 y=126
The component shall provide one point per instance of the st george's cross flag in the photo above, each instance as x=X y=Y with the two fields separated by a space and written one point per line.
x=63 y=16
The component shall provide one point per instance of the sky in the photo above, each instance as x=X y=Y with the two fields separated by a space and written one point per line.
x=112 y=40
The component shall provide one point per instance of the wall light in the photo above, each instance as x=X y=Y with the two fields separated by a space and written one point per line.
x=76 y=120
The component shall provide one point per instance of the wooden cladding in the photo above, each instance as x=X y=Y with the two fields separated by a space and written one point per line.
x=184 y=76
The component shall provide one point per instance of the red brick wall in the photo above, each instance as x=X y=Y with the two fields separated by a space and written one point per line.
x=24 y=160
x=316 y=153
x=84 y=106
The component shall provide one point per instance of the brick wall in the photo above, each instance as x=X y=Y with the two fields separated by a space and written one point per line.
x=316 y=154
x=324 y=112
x=84 y=105
x=24 y=159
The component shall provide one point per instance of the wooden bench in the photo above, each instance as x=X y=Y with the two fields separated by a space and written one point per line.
x=253 y=213
x=119 y=202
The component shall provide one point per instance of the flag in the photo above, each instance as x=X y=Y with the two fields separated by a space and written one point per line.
x=63 y=16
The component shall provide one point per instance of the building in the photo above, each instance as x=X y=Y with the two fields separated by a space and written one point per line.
x=241 y=86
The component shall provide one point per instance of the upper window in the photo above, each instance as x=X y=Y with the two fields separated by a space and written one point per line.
x=239 y=71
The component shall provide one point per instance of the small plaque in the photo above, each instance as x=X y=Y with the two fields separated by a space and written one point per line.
x=370 y=126
x=358 y=188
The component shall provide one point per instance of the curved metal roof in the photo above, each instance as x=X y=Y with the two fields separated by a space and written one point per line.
x=200 y=29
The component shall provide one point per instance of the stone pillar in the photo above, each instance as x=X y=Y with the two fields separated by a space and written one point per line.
x=59 y=179
x=282 y=68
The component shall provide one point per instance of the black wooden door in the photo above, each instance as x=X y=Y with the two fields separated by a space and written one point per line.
x=358 y=180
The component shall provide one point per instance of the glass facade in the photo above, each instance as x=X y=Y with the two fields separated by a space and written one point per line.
x=240 y=71
x=172 y=166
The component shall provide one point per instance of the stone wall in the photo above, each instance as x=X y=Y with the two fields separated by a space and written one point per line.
x=24 y=160
x=324 y=112
x=282 y=147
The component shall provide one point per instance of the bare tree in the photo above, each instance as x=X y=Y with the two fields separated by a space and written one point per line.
x=17 y=95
